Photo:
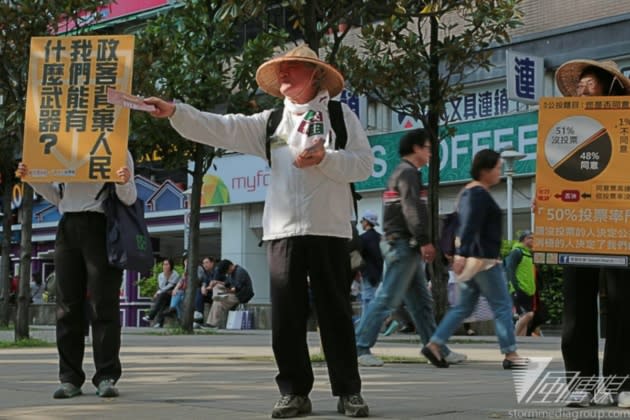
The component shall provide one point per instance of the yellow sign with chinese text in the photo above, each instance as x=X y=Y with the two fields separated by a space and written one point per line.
x=582 y=185
x=71 y=131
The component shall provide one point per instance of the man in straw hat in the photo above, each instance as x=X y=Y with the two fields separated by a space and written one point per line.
x=581 y=284
x=306 y=220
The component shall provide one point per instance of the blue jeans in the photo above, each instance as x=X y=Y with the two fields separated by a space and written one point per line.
x=403 y=281
x=177 y=302
x=367 y=294
x=492 y=285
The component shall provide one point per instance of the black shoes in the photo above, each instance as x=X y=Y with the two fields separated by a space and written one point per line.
x=352 y=406
x=291 y=406
x=441 y=363
x=520 y=363
x=106 y=389
x=67 y=390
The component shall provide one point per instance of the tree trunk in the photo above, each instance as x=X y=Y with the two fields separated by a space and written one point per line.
x=5 y=310
x=24 y=290
x=439 y=274
x=193 y=245
x=311 y=34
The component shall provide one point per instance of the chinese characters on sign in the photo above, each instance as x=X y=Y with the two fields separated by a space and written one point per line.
x=583 y=192
x=524 y=77
x=72 y=133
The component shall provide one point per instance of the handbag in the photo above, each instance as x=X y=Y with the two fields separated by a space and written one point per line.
x=128 y=241
x=240 y=319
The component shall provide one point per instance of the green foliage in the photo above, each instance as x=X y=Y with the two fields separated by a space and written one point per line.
x=24 y=343
x=188 y=55
x=397 y=54
x=550 y=281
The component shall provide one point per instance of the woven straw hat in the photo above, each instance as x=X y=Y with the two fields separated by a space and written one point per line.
x=568 y=74
x=267 y=73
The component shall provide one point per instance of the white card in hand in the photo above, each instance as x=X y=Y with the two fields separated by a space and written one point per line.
x=116 y=97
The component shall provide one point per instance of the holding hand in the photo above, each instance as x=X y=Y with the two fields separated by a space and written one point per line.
x=312 y=155
x=22 y=170
x=458 y=264
x=163 y=109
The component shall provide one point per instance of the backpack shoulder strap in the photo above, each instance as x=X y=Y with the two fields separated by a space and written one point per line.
x=338 y=124
x=272 y=124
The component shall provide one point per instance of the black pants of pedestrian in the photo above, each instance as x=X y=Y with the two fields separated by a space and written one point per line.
x=579 y=332
x=201 y=300
x=81 y=266
x=160 y=303
x=325 y=262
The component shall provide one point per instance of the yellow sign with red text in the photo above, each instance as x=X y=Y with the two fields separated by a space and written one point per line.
x=71 y=131
x=582 y=212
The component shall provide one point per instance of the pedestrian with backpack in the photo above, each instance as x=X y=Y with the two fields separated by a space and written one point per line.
x=307 y=214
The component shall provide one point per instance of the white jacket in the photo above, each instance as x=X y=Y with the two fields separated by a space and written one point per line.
x=309 y=201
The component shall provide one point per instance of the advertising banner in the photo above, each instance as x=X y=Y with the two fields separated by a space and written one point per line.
x=71 y=131
x=582 y=185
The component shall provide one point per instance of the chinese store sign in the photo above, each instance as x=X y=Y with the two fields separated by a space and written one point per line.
x=583 y=191
x=71 y=132
x=524 y=77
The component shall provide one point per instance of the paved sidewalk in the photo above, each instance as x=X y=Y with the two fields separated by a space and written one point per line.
x=230 y=376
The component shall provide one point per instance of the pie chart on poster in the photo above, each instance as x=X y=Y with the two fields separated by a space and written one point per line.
x=578 y=148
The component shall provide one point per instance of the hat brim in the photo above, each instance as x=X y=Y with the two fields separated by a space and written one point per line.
x=568 y=75
x=267 y=75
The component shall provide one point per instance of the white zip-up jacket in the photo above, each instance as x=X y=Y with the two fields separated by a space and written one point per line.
x=309 y=201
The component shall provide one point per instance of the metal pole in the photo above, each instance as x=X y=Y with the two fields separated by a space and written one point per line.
x=509 y=204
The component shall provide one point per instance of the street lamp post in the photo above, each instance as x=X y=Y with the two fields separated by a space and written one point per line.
x=509 y=156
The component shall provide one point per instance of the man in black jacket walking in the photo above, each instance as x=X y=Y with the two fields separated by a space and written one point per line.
x=371 y=252
x=406 y=245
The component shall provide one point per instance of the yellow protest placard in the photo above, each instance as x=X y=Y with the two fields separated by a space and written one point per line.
x=71 y=131
x=582 y=212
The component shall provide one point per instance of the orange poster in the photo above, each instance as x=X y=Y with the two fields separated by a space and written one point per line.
x=71 y=131
x=582 y=212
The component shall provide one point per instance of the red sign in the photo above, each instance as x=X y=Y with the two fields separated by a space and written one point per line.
x=569 y=195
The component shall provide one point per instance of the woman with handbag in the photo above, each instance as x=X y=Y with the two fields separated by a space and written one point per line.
x=476 y=262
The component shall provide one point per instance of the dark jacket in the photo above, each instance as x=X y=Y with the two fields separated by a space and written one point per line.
x=404 y=205
x=240 y=280
x=479 y=224
x=371 y=253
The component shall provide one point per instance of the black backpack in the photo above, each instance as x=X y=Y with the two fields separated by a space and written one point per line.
x=446 y=242
x=336 y=121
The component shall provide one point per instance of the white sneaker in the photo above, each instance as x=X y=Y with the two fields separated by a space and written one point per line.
x=146 y=318
x=580 y=399
x=623 y=399
x=198 y=316
x=369 y=360
x=196 y=325
x=603 y=398
x=454 y=358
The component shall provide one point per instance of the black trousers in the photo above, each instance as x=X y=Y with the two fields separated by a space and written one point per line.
x=579 y=332
x=81 y=267
x=160 y=303
x=325 y=262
